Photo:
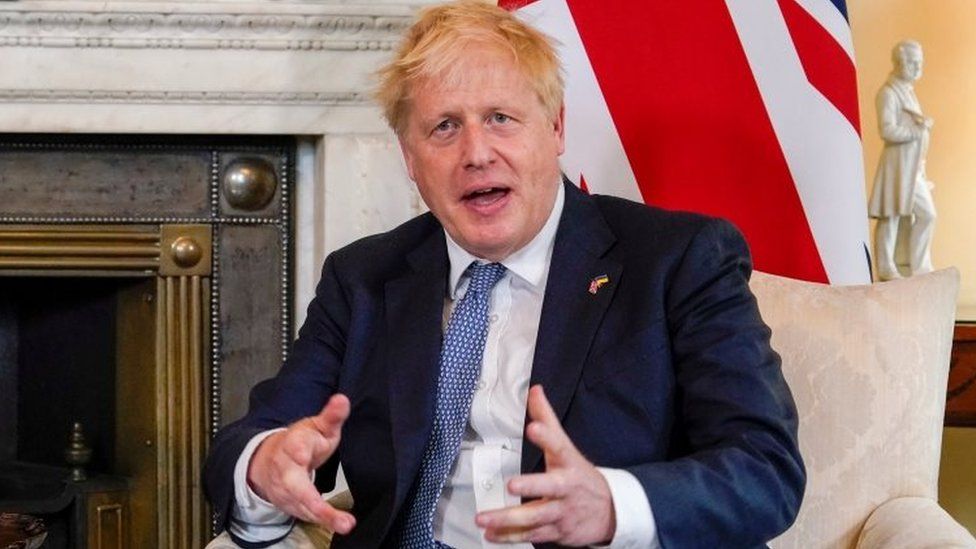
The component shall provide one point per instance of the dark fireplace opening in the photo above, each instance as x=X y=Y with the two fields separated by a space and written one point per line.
x=63 y=360
x=57 y=366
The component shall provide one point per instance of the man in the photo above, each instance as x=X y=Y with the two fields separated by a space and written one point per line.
x=626 y=335
x=901 y=188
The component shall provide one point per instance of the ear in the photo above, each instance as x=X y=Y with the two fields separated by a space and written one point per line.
x=408 y=158
x=559 y=127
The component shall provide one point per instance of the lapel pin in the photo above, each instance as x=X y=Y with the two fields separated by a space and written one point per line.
x=597 y=283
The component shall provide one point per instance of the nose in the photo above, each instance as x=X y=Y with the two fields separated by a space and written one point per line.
x=477 y=150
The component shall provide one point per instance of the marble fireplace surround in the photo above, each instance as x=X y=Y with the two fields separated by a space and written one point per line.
x=252 y=67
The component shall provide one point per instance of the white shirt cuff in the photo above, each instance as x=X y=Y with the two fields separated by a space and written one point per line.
x=253 y=518
x=636 y=528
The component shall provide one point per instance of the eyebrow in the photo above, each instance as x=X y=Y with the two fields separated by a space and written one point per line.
x=512 y=110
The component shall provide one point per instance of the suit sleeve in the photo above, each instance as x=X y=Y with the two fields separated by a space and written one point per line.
x=303 y=385
x=739 y=479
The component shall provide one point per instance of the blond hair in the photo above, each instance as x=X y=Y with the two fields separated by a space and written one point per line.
x=440 y=37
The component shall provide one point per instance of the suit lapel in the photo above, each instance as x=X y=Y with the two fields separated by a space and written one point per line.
x=571 y=314
x=414 y=313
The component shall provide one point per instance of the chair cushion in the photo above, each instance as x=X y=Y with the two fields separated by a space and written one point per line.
x=868 y=368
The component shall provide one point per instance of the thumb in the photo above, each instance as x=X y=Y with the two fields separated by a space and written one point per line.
x=329 y=421
x=546 y=432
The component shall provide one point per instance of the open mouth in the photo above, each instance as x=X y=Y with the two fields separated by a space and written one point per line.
x=486 y=196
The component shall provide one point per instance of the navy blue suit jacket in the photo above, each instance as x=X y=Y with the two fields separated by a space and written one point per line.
x=666 y=372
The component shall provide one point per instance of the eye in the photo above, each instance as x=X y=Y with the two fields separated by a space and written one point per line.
x=444 y=127
x=500 y=118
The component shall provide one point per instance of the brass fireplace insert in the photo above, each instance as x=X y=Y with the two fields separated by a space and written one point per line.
x=198 y=232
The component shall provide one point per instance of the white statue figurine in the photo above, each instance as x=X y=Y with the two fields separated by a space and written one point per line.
x=901 y=189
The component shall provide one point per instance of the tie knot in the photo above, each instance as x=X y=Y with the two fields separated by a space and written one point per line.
x=484 y=276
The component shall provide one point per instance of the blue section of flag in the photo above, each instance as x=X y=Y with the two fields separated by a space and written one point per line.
x=841 y=7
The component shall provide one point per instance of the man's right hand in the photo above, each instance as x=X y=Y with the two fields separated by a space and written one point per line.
x=280 y=469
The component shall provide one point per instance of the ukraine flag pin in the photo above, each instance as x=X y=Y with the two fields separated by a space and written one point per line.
x=598 y=282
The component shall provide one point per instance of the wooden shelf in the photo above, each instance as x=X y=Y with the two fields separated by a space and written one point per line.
x=961 y=393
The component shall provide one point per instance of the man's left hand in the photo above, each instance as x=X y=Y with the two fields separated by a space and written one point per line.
x=575 y=506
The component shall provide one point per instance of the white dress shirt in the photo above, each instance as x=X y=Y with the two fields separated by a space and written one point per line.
x=491 y=449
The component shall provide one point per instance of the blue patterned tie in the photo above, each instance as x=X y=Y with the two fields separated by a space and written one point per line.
x=464 y=343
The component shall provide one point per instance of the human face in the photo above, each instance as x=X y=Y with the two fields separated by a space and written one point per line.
x=911 y=64
x=484 y=153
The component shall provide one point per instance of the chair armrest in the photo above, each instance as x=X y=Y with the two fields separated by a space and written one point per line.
x=912 y=523
x=299 y=538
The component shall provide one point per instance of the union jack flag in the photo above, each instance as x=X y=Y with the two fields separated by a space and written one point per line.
x=743 y=109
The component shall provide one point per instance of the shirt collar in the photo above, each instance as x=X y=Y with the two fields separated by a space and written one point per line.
x=530 y=263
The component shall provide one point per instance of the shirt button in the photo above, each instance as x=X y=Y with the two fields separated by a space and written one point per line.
x=494 y=318
x=487 y=484
x=482 y=384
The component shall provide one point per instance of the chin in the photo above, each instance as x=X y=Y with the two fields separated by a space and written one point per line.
x=493 y=251
x=487 y=240
x=487 y=248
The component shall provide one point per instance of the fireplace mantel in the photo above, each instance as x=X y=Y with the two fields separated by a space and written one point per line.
x=220 y=67
x=192 y=67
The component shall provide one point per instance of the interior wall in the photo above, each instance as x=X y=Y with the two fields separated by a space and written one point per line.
x=957 y=480
x=945 y=91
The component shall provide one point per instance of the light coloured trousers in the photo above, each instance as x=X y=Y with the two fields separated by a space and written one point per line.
x=919 y=239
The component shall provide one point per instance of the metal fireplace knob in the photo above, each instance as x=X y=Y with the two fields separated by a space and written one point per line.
x=249 y=183
x=186 y=252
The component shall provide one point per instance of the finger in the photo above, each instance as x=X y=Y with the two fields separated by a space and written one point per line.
x=299 y=512
x=553 y=442
x=313 y=508
x=298 y=488
x=286 y=502
x=541 y=534
x=329 y=421
x=546 y=431
x=540 y=485
x=539 y=407
x=340 y=521
x=334 y=519
x=521 y=517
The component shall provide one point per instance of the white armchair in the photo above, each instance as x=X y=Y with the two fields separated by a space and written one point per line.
x=868 y=367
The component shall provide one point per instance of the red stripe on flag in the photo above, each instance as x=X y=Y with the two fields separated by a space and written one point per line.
x=826 y=64
x=693 y=124
x=513 y=5
x=583 y=185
